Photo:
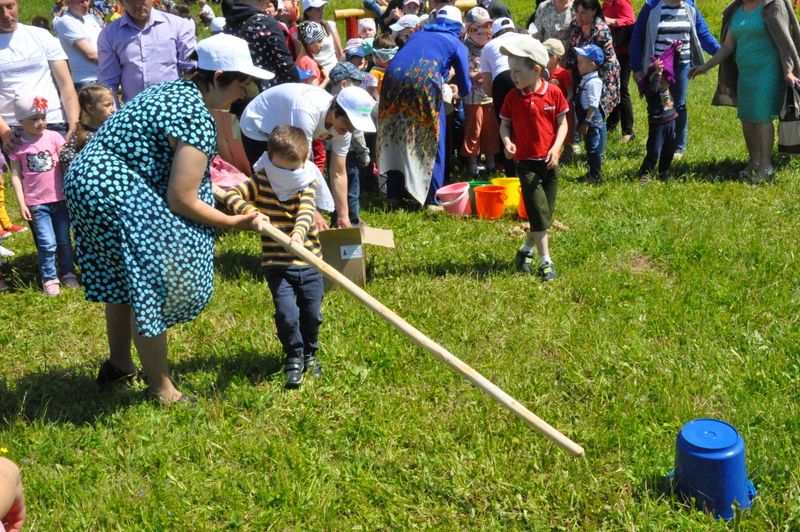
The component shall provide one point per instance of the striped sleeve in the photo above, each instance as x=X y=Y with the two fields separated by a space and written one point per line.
x=305 y=212
x=239 y=199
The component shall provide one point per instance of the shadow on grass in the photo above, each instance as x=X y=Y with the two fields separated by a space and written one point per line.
x=70 y=395
x=234 y=265
x=250 y=366
x=23 y=269
x=480 y=267
x=61 y=395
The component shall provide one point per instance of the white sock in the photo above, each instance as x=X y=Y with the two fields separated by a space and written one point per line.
x=525 y=248
x=546 y=259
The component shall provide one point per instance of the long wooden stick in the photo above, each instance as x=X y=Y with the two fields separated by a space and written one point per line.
x=418 y=338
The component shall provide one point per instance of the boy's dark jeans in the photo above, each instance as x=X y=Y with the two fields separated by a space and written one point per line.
x=297 y=294
x=594 y=140
x=661 y=144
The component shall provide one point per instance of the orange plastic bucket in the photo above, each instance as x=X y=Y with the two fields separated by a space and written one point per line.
x=455 y=199
x=490 y=201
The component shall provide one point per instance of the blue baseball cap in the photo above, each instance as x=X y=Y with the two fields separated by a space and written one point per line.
x=592 y=52
x=304 y=74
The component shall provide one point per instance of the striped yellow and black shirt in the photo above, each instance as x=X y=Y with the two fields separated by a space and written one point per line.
x=293 y=216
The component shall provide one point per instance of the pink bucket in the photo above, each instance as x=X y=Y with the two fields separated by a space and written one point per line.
x=455 y=199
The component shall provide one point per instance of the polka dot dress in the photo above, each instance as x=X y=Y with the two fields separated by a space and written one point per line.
x=132 y=249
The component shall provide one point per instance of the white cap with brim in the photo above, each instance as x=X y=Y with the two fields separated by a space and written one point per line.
x=528 y=47
x=217 y=25
x=308 y=4
x=502 y=24
x=406 y=22
x=450 y=12
x=358 y=104
x=229 y=54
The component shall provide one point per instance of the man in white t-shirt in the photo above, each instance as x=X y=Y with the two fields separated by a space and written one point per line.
x=30 y=60
x=78 y=29
x=320 y=116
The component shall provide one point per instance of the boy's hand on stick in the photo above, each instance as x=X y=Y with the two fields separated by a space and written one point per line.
x=296 y=239
x=249 y=222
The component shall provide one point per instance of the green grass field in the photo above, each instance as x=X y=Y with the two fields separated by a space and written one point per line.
x=674 y=301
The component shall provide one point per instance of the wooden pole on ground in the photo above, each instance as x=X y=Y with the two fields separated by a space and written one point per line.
x=418 y=338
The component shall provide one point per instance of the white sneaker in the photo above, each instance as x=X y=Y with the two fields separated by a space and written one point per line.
x=5 y=252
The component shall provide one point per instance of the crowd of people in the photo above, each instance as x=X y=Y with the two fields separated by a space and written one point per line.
x=109 y=127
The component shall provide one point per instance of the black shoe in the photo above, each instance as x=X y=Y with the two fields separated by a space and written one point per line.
x=110 y=375
x=293 y=369
x=547 y=272
x=311 y=363
x=524 y=261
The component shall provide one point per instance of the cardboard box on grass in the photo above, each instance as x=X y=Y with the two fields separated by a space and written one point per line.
x=344 y=250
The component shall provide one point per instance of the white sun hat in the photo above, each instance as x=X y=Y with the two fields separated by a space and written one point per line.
x=358 y=104
x=229 y=54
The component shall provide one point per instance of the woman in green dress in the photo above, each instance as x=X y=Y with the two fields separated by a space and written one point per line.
x=758 y=59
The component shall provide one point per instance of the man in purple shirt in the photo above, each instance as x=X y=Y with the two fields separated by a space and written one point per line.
x=143 y=47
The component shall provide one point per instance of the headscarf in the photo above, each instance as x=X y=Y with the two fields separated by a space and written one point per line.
x=311 y=32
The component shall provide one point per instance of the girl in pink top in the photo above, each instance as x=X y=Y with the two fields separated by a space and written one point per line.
x=38 y=184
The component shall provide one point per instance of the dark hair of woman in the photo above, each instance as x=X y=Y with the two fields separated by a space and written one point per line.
x=205 y=79
x=591 y=5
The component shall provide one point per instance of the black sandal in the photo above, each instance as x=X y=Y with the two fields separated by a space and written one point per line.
x=110 y=375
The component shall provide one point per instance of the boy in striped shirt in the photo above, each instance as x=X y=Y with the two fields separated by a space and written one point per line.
x=285 y=188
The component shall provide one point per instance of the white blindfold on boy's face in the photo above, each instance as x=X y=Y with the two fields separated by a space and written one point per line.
x=288 y=183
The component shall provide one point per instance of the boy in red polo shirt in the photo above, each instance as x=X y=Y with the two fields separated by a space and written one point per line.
x=539 y=110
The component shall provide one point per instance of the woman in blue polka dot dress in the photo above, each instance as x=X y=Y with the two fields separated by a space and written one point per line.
x=139 y=195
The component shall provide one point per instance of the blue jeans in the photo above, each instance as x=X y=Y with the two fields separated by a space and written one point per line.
x=660 y=148
x=678 y=92
x=50 y=227
x=594 y=140
x=297 y=294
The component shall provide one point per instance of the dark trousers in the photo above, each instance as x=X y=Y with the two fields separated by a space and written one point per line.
x=539 y=186
x=353 y=189
x=623 y=113
x=661 y=144
x=594 y=140
x=297 y=294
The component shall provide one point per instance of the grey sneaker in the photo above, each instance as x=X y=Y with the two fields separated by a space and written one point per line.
x=524 y=261
x=547 y=272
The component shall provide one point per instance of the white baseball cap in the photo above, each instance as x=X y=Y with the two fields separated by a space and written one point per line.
x=217 y=24
x=358 y=104
x=308 y=4
x=450 y=12
x=503 y=23
x=528 y=47
x=229 y=54
x=405 y=22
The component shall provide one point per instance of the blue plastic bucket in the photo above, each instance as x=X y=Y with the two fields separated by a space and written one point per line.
x=710 y=467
